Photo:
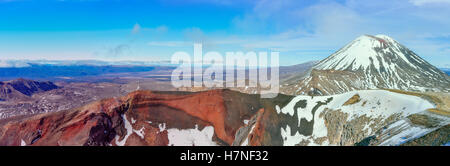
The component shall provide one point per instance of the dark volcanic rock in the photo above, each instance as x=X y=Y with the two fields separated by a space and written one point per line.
x=28 y=87
x=22 y=87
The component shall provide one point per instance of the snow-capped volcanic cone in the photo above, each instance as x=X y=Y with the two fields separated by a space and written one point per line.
x=373 y=62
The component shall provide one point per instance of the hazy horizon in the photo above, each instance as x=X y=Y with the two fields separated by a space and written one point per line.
x=136 y=30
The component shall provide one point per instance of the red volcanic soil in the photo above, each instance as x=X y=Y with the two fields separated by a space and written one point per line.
x=255 y=138
x=103 y=122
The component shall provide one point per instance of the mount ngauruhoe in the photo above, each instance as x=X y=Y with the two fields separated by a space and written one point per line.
x=371 y=62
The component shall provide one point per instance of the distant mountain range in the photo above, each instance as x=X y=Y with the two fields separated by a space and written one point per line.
x=446 y=70
x=30 y=63
x=22 y=88
x=48 y=71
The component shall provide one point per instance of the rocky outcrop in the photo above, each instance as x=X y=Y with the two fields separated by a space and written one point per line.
x=22 y=88
x=347 y=133
x=355 y=99
x=438 y=137
x=325 y=82
x=251 y=134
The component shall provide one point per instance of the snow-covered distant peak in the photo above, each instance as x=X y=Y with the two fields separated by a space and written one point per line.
x=372 y=62
x=386 y=37
x=360 y=53
x=369 y=51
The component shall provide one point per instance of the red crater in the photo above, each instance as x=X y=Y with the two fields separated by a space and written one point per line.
x=148 y=115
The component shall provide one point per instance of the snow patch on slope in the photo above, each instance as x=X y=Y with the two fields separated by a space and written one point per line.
x=245 y=143
x=191 y=137
x=403 y=130
x=23 y=143
x=129 y=129
x=379 y=104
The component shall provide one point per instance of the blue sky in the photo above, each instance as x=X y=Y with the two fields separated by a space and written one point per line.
x=153 y=30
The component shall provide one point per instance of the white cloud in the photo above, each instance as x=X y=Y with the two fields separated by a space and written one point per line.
x=427 y=2
x=137 y=28
x=195 y=34
x=160 y=29
x=328 y=25
x=169 y=43
x=14 y=64
x=315 y=28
